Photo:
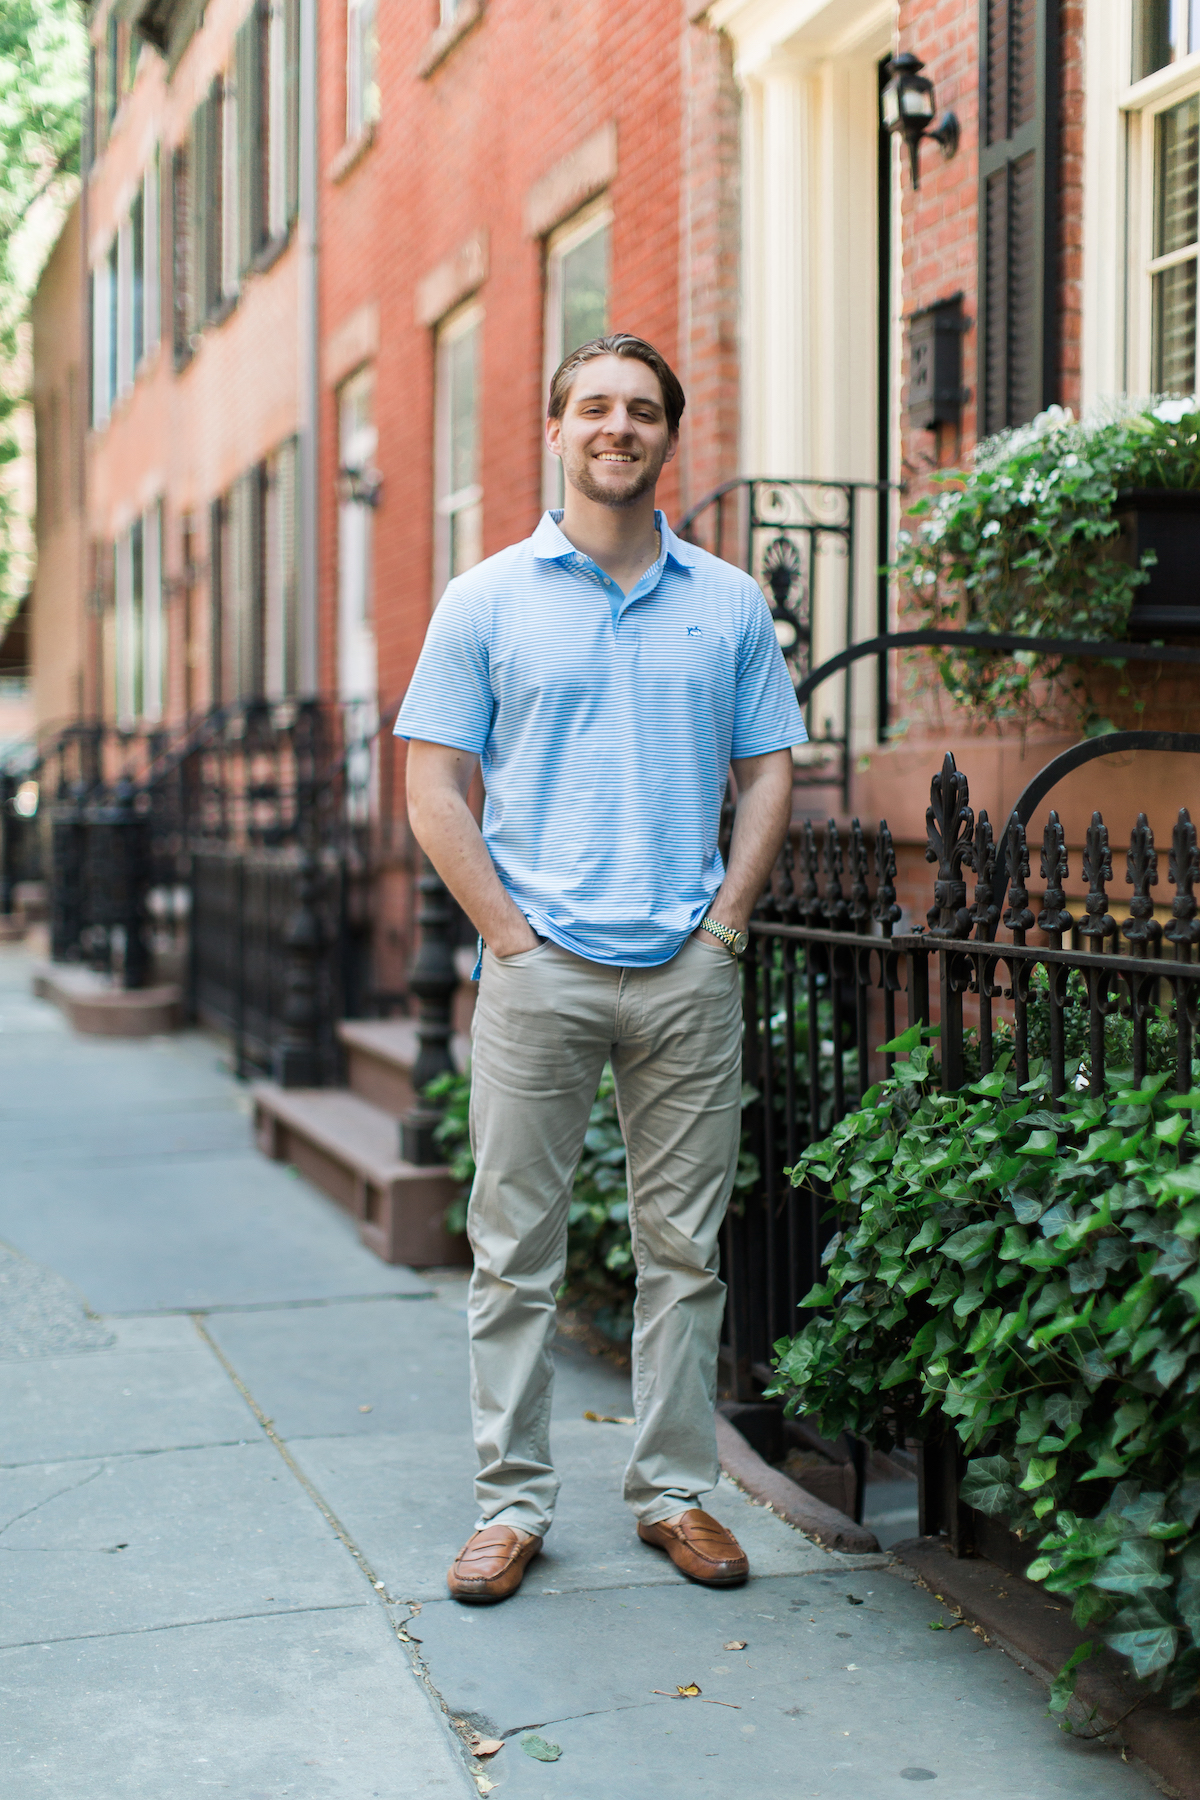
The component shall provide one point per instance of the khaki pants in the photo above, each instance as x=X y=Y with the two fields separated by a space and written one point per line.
x=545 y=1024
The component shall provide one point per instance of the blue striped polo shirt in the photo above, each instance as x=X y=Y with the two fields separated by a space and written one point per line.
x=605 y=725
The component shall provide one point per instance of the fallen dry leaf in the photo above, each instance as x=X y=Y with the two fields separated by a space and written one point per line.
x=481 y=1746
x=484 y=1785
x=689 y=1690
x=735 y=1644
x=854 y=1600
x=366 y=1409
x=608 y=1419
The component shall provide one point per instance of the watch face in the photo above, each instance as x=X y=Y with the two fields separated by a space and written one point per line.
x=740 y=940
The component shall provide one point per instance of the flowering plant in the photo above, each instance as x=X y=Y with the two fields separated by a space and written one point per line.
x=1026 y=541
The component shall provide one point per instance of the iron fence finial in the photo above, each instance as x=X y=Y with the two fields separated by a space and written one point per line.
x=1183 y=868
x=1054 y=916
x=949 y=824
x=1141 y=927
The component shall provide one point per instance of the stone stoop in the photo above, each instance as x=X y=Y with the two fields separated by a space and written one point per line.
x=380 y=1054
x=99 y=1009
x=348 y=1146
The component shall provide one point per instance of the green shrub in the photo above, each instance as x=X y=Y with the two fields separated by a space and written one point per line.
x=1025 y=541
x=1029 y=1276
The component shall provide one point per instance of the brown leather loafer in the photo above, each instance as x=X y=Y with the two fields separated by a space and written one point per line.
x=700 y=1547
x=491 y=1565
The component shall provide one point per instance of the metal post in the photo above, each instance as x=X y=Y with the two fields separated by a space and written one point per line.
x=298 y=1050
x=433 y=980
x=130 y=835
x=8 y=843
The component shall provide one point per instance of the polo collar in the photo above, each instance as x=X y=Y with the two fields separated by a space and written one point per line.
x=550 y=545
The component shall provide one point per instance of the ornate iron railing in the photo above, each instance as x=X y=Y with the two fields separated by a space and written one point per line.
x=799 y=539
x=831 y=974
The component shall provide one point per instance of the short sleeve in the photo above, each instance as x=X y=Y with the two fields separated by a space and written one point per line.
x=767 y=716
x=449 y=699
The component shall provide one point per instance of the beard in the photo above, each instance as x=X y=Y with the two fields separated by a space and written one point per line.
x=577 y=473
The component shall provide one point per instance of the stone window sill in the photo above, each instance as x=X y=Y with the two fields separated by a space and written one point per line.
x=447 y=36
x=351 y=153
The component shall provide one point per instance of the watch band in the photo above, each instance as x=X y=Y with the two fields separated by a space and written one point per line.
x=726 y=934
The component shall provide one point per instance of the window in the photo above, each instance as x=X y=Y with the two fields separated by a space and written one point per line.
x=1017 y=304
x=577 y=284
x=357 y=442
x=362 y=73
x=101 y=329
x=1163 y=31
x=239 y=632
x=458 y=494
x=281 y=575
x=235 y=178
x=137 y=277
x=1173 y=265
x=139 y=642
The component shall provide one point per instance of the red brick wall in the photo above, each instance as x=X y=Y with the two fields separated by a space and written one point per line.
x=1070 y=204
x=458 y=150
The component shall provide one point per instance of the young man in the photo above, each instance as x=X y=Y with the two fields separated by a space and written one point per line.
x=607 y=675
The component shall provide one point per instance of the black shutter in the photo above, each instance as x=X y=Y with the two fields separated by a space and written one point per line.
x=213 y=224
x=199 y=204
x=216 y=558
x=182 y=272
x=291 y=102
x=1018 y=168
x=250 y=64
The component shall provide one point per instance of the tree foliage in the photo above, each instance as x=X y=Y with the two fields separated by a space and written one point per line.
x=1027 y=1276
x=43 y=67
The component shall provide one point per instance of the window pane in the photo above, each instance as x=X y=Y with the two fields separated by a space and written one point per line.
x=137 y=230
x=1162 y=31
x=1175 y=330
x=1177 y=169
x=462 y=359
x=585 y=292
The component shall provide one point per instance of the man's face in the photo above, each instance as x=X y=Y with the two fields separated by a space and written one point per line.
x=613 y=436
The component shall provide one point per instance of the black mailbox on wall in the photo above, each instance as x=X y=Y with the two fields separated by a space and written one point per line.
x=935 y=390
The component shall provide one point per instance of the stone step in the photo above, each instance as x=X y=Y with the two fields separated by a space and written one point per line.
x=350 y=1150
x=96 y=1006
x=380 y=1054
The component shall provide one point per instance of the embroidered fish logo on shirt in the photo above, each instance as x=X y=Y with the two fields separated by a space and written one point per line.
x=694 y=631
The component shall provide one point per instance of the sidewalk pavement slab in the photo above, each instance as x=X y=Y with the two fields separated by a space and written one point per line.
x=173 y=1233
x=309 y=1706
x=215 y=1567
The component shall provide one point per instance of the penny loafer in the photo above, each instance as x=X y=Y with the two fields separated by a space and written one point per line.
x=700 y=1547
x=491 y=1565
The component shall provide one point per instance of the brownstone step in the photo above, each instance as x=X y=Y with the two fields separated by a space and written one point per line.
x=349 y=1148
x=380 y=1054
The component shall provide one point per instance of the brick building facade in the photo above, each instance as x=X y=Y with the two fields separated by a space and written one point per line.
x=333 y=249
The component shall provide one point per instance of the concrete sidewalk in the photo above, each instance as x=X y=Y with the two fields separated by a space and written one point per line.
x=196 y=1354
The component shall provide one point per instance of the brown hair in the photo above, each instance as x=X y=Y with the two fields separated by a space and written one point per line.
x=621 y=343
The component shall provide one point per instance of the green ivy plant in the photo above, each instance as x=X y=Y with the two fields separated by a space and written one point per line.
x=1026 y=1276
x=1025 y=541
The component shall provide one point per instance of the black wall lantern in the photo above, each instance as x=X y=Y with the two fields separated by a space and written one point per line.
x=359 y=487
x=908 y=108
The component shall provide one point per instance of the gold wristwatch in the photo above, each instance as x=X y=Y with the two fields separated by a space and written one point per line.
x=734 y=941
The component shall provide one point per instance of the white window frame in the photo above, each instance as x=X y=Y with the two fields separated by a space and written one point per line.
x=362 y=76
x=230 y=238
x=1143 y=104
x=101 y=317
x=277 y=219
x=152 y=255
x=358 y=676
x=124 y=306
x=154 y=627
x=458 y=508
x=586 y=224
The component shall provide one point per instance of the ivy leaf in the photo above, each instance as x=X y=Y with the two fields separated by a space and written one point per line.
x=985 y=1330
x=1027 y=1207
x=1040 y=1143
x=1062 y=1688
x=1148 y=1651
x=970 y=1244
x=1132 y=1567
x=988 y=1486
x=1102 y=1146
x=1041 y=1470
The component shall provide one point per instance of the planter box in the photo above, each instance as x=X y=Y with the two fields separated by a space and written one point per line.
x=1167 y=521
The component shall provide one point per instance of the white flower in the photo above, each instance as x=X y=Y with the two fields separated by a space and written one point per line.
x=1171 y=411
x=991 y=528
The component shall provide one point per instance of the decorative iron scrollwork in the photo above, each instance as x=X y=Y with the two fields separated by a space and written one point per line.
x=1017 y=918
x=1098 y=922
x=1141 y=927
x=885 y=908
x=1054 y=916
x=860 y=895
x=1183 y=869
x=949 y=823
x=981 y=857
x=810 y=893
x=837 y=913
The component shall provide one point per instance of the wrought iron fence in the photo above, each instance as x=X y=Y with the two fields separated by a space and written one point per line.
x=234 y=853
x=801 y=541
x=829 y=978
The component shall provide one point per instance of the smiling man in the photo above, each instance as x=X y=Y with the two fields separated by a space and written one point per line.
x=606 y=676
